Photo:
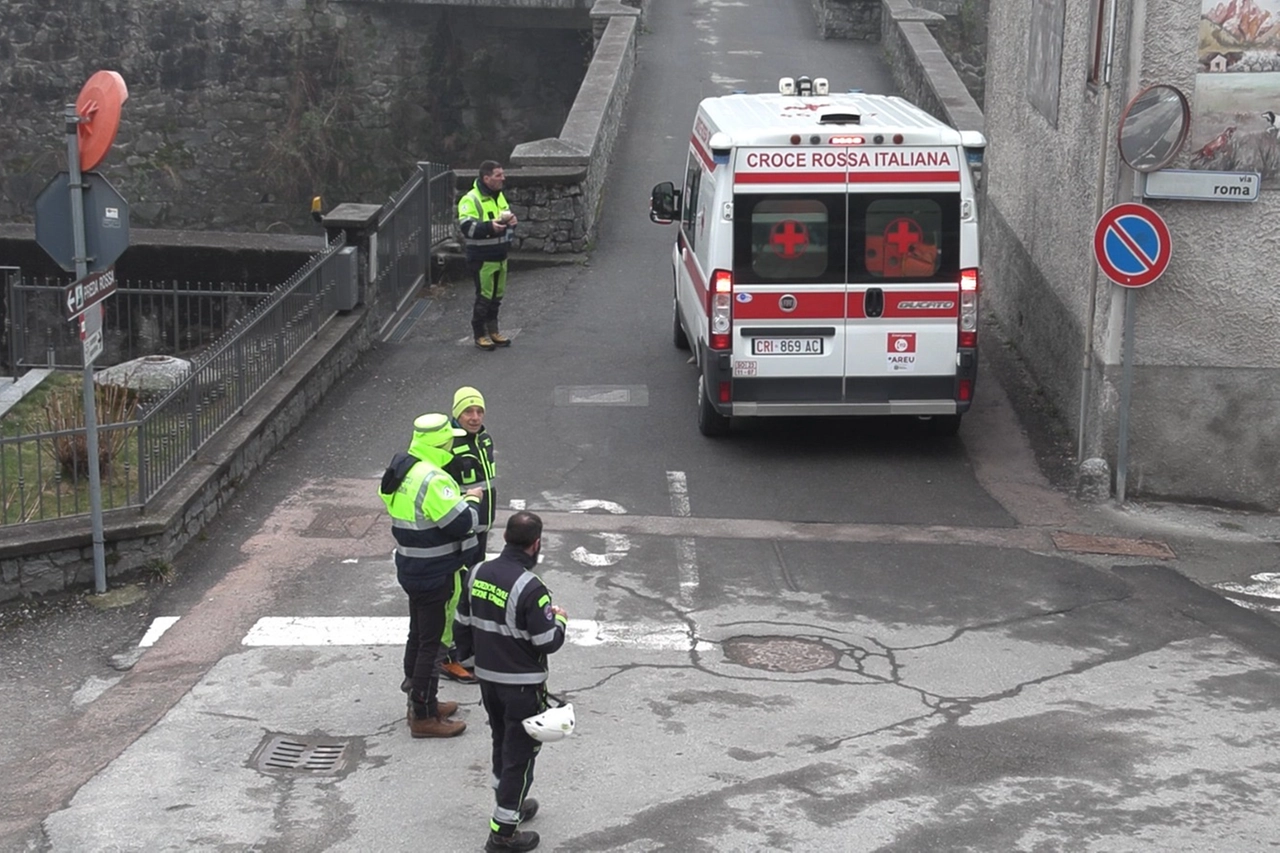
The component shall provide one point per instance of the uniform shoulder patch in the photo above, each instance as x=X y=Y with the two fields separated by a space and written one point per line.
x=547 y=612
x=447 y=492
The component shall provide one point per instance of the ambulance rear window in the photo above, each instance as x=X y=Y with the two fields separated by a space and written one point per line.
x=906 y=238
x=787 y=238
x=903 y=238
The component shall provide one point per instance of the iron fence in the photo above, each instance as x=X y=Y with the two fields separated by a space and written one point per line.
x=141 y=318
x=418 y=218
x=239 y=336
x=44 y=474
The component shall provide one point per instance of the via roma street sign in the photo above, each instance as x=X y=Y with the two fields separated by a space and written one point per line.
x=88 y=291
x=1197 y=185
x=1132 y=244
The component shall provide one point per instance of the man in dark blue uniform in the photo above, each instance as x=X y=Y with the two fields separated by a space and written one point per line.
x=505 y=627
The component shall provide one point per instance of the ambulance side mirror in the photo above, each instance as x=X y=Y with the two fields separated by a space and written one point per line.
x=664 y=204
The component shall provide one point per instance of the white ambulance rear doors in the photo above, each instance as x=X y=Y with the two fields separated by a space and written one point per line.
x=845 y=271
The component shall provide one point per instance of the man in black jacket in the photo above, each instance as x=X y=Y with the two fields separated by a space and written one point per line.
x=505 y=627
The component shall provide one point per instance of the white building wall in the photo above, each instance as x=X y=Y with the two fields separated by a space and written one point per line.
x=1205 y=410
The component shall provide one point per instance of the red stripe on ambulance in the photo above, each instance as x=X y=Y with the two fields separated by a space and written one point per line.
x=809 y=306
x=922 y=177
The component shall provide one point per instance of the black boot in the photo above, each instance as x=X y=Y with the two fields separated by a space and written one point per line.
x=518 y=840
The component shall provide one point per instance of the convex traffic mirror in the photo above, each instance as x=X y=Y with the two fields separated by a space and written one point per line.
x=1154 y=128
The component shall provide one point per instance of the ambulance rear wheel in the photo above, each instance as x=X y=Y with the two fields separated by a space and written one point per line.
x=943 y=425
x=710 y=422
x=678 y=337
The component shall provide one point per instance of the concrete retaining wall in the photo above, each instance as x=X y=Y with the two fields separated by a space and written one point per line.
x=555 y=185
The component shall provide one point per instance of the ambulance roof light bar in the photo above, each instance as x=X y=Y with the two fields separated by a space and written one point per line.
x=803 y=86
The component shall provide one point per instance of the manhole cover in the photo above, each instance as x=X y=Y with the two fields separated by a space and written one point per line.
x=1115 y=546
x=780 y=654
x=316 y=756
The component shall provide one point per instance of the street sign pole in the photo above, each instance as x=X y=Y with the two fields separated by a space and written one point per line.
x=1126 y=391
x=90 y=407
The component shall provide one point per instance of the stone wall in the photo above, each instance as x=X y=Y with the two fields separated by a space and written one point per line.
x=239 y=112
x=848 y=19
x=555 y=185
x=921 y=69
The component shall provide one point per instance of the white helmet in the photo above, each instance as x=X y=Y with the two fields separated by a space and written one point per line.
x=551 y=725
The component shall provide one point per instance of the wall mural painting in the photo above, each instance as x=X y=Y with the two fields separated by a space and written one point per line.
x=1237 y=97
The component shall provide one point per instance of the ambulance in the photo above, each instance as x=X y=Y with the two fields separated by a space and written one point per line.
x=826 y=261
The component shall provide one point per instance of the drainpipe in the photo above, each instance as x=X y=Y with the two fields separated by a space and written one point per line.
x=1086 y=375
x=1125 y=337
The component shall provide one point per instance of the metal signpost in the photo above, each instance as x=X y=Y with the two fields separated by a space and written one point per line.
x=96 y=242
x=1132 y=245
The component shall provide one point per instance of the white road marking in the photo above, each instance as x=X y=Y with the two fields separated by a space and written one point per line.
x=328 y=631
x=1262 y=585
x=686 y=552
x=392 y=631
x=583 y=506
x=517 y=504
x=640 y=635
x=616 y=546
x=158 y=626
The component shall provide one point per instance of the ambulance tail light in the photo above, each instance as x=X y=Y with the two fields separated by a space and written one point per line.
x=968 y=309
x=966 y=390
x=720 y=310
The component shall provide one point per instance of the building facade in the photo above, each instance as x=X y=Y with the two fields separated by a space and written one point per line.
x=1204 y=409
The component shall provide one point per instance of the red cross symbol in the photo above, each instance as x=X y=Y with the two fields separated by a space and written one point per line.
x=789 y=238
x=902 y=235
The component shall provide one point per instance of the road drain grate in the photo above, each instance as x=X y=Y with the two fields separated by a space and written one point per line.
x=315 y=756
x=780 y=654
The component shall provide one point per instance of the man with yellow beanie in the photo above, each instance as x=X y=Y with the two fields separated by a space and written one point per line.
x=472 y=467
x=433 y=522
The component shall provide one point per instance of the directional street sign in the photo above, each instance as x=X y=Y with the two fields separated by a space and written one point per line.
x=88 y=291
x=106 y=222
x=1132 y=244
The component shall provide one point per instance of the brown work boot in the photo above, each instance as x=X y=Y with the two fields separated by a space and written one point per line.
x=435 y=726
x=499 y=339
x=444 y=710
x=455 y=671
x=485 y=342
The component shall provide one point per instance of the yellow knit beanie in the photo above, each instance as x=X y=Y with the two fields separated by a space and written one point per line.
x=464 y=398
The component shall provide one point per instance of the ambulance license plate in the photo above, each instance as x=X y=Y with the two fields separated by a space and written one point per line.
x=786 y=346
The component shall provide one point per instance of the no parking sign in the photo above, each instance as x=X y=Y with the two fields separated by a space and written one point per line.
x=1132 y=244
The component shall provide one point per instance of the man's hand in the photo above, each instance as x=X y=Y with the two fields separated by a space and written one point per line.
x=559 y=611
x=476 y=493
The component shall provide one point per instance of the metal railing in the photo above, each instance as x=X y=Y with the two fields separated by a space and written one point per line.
x=44 y=475
x=419 y=217
x=141 y=318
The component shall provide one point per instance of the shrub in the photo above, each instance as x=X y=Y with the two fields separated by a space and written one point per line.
x=64 y=410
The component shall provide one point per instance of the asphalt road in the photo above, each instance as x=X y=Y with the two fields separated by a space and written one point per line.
x=811 y=636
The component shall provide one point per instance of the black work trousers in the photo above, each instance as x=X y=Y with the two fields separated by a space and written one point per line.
x=513 y=750
x=427 y=612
